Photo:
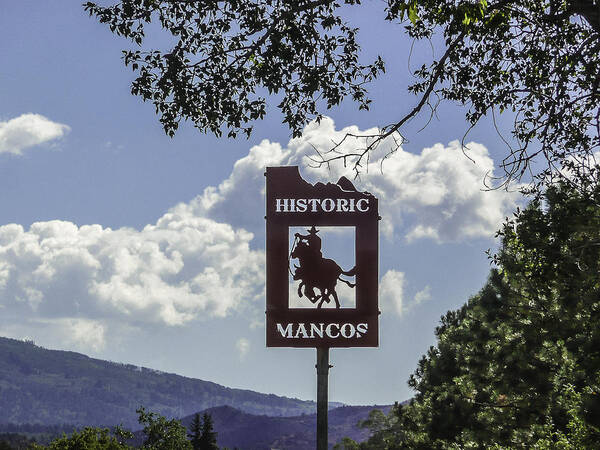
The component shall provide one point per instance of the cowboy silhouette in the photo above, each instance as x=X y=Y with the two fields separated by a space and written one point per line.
x=315 y=271
x=314 y=244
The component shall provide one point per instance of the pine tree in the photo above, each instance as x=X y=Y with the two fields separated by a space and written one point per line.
x=518 y=365
x=208 y=438
x=196 y=432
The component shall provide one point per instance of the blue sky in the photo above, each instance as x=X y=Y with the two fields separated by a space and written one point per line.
x=127 y=245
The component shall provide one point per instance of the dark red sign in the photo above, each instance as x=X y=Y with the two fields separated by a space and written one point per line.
x=305 y=303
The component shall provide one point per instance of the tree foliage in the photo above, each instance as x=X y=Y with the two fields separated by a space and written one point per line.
x=226 y=52
x=160 y=434
x=538 y=60
x=518 y=366
x=91 y=438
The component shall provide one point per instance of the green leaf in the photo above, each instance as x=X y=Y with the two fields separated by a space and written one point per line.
x=412 y=13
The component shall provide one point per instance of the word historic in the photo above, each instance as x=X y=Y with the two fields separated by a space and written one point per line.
x=301 y=205
x=314 y=330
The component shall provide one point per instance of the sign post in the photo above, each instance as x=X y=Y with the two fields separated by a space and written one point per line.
x=313 y=300
x=322 y=396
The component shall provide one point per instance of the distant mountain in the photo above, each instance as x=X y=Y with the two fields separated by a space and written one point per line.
x=252 y=432
x=56 y=387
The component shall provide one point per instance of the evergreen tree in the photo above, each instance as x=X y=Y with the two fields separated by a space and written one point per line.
x=518 y=366
x=196 y=432
x=208 y=438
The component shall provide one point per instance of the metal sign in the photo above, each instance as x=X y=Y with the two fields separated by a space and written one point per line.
x=312 y=299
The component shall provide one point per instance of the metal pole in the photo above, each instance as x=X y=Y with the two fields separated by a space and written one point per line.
x=322 y=394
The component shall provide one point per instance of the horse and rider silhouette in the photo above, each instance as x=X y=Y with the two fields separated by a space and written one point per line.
x=316 y=272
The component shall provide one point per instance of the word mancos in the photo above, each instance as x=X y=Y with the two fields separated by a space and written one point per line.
x=320 y=330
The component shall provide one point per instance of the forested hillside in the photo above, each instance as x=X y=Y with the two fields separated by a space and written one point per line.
x=57 y=387
x=251 y=432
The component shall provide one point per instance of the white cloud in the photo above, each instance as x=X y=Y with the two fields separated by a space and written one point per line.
x=196 y=261
x=422 y=296
x=243 y=347
x=80 y=333
x=88 y=333
x=437 y=194
x=71 y=332
x=391 y=292
x=28 y=130
x=180 y=269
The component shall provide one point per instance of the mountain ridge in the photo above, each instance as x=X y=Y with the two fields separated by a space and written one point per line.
x=237 y=429
x=38 y=385
x=251 y=432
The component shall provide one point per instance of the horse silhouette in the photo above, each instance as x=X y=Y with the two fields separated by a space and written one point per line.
x=322 y=274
